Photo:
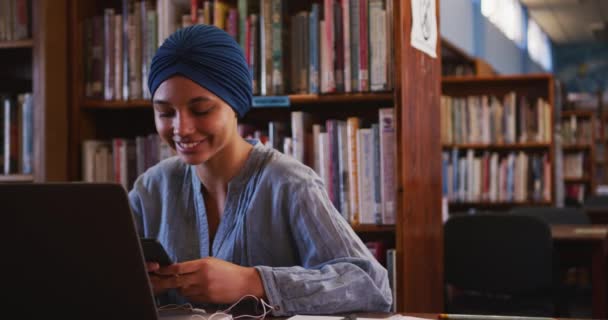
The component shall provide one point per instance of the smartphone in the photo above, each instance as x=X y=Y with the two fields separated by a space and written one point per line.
x=155 y=252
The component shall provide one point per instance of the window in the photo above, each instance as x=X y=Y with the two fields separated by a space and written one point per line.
x=539 y=46
x=507 y=16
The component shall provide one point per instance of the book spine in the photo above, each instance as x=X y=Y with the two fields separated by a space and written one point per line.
x=254 y=53
x=388 y=163
x=118 y=57
x=277 y=31
x=314 y=49
x=366 y=176
x=339 y=47
x=329 y=46
x=363 y=47
x=354 y=47
x=343 y=170
x=97 y=70
x=194 y=11
x=347 y=45
x=352 y=127
x=376 y=175
x=11 y=138
x=27 y=124
x=242 y=17
x=126 y=50
x=266 y=45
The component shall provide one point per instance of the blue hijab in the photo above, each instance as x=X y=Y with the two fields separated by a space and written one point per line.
x=211 y=58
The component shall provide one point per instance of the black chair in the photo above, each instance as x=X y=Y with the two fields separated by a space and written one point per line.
x=555 y=215
x=498 y=263
x=596 y=207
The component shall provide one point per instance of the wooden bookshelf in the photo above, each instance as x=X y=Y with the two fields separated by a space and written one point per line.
x=418 y=242
x=456 y=62
x=536 y=146
x=26 y=43
x=16 y=178
x=38 y=65
x=578 y=130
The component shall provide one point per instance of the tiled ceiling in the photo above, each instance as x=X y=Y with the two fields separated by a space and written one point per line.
x=569 y=21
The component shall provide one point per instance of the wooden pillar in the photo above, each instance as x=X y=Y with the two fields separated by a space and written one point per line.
x=420 y=231
x=50 y=76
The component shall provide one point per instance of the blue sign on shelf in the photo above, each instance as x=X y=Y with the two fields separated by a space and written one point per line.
x=270 y=101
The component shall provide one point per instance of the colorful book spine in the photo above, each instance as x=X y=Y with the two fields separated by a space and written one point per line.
x=314 y=49
x=388 y=163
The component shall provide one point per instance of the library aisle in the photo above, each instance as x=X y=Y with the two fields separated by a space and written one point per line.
x=412 y=113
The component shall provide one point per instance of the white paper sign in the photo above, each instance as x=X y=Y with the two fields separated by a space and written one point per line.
x=424 y=26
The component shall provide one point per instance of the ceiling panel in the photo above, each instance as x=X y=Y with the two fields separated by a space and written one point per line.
x=568 y=21
x=550 y=25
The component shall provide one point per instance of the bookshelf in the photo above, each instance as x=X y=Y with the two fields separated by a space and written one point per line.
x=417 y=234
x=578 y=130
x=601 y=143
x=497 y=141
x=34 y=62
x=455 y=62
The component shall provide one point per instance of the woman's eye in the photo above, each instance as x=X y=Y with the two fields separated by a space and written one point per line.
x=164 y=114
x=201 y=112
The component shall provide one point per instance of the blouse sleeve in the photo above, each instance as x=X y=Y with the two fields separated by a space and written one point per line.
x=337 y=274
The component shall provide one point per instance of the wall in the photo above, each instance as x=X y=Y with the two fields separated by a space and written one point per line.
x=456 y=23
x=463 y=25
x=582 y=67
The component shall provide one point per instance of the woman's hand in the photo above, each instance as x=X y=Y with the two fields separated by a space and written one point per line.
x=211 y=280
x=161 y=279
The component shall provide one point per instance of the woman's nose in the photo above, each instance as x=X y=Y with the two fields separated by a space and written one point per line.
x=183 y=124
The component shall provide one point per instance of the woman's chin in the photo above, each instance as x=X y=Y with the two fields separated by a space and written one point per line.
x=194 y=159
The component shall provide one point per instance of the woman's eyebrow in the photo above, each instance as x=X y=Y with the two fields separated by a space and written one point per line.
x=198 y=99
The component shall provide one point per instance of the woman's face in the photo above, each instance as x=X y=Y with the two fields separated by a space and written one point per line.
x=192 y=120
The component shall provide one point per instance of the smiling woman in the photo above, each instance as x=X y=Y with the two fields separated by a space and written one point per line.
x=193 y=120
x=239 y=218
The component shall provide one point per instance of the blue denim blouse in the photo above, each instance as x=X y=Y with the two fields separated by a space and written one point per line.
x=278 y=218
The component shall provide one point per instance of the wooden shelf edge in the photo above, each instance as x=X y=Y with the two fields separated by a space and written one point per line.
x=26 y=43
x=575 y=180
x=495 y=78
x=374 y=228
x=578 y=113
x=488 y=204
x=340 y=97
x=16 y=178
x=498 y=146
x=116 y=104
x=576 y=146
x=296 y=99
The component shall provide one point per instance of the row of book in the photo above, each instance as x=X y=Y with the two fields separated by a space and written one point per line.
x=494 y=177
x=17 y=134
x=356 y=161
x=121 y=160
x=357 y=164
x=15 y=19
x=388 y=258
x=495 y=120
x=335 y=46
x=574 y=165
x=575 y=193
x=576 y=130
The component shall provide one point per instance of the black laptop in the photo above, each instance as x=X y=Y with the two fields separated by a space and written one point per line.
x=71 y=251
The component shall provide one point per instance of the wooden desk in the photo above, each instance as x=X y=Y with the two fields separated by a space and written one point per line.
x=380 y=315
x=589 y=242
x=597 y=215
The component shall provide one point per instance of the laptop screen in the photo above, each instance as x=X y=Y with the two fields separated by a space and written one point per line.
x=72 y=250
